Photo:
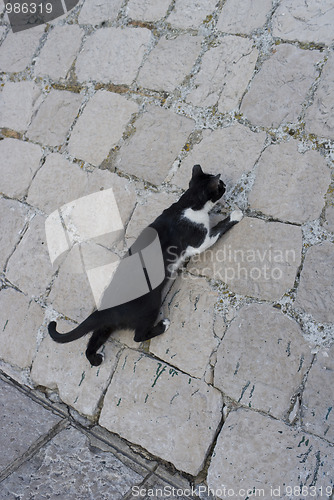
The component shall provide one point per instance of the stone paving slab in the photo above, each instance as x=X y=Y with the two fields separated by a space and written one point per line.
x=190 y=308
x=284 y=458
x=20 y=321
x=290 y=186
x=92 y=143
x=223 y=151
x=262 y=360
x=164 y=403
x=17 y=50
x=63 y=107
x=251 y=266
x=22 y=422
x=18 y=102
x=224 y=75
x=317 y=402
x=243 y=16
x=311 y=22
x=67 y=457
x=120 y=62
x=279 y=89
x=75 y=379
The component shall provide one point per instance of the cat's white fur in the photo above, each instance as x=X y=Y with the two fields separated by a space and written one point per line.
x=202 y=217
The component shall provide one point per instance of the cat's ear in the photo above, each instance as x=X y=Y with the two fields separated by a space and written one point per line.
x=214 y=182
x=197 y=170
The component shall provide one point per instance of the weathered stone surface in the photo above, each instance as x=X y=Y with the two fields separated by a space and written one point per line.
x=150 y=10
x=317 y=401
x=19 y=323
x=159 y=137
x=63 y=107
x=254 y=451
x=315 y=293
x=262 y=359
x=222 y=151
x=306 y=22
x=71 y=294
x=67 y=467
x=118 y=63
x=97 y=11
x=144 y=405
x=146 y=211
x=59 y=51
x=19 y=162
x=169 y=62
x=190 y=340
x=255 y=258
x=18 y=101
x=279 y=89
x=13 y=218
x=59 y=181
x=318 y=117
x=92 y=139
x=290 y=186
x=29 y=267
x=75 y=379
x=329 y=224
x=243 y=16
x=24 y=421
x=18 y=48
x=224 y=75
x=190 y=14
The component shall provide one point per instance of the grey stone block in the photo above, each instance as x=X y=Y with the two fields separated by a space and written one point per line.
x=255 y=452
x=278 y=90
x=67 y=467
x=256 y=258
x=222 y=151
x=19 y=163
x=22 y=422
x=262 y=359
x=315 y=293
x=169 y=62
x=144 y=405
x=91 y=139
x=306 y=22
x=18 y=102
x=118 y=61
x=151 y=151
x=63 y=107
x=290 y=186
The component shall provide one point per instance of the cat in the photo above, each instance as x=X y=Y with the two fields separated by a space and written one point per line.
x=183 y=230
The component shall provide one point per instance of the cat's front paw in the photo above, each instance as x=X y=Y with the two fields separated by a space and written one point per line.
x=236 y=215
x=166 y=323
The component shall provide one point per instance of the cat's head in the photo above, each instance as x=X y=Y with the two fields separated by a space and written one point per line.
x=206 y=187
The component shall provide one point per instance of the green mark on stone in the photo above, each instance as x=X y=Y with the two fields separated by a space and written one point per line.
x=119 y=401
x=82 y=378
x=158 y=373
x=5 y=326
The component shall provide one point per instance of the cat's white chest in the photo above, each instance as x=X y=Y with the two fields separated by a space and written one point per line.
x=200 y=217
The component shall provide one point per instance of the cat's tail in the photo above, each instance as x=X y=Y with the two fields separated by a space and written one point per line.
x=62 y=338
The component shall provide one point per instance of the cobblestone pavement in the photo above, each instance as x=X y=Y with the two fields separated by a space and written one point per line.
x=237 y=396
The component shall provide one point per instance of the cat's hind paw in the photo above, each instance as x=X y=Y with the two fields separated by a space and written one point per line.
x=236 y=215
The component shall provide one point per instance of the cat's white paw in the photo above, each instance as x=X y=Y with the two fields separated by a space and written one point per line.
x=166 y=323
x=236 y=215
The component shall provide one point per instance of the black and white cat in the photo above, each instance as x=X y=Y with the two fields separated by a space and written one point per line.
x=184 y=231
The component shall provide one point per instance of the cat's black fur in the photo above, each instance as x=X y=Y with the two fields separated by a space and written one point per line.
x=176 y=232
